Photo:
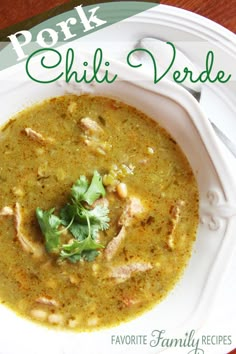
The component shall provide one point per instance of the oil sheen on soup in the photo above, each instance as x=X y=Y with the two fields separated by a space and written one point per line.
x=98 y=211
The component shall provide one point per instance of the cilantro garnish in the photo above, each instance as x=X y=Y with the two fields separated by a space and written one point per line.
x=49 y=224
x=78 y=217
x=82 y=191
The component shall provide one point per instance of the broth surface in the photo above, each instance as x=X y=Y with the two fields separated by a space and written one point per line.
x=44 y=150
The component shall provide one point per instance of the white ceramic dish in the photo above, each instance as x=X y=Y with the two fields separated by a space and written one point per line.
x=187 y=305
x=195 y=36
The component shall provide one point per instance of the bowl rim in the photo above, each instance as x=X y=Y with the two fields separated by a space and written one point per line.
x=180 y=96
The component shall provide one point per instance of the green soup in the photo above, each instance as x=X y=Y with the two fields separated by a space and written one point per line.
x=151 y=194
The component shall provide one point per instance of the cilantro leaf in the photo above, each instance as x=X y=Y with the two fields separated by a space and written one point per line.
x=79 y=189
x=98 y=216
x=89 y=256
x=81 y=219
x=79 y=226
x=74 y=258
x=67 y=213
x=95 y=190
x=76 y=248
x=49 y=224
x=80 y=232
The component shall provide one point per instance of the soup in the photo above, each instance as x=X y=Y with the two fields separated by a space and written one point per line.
x=98 y=210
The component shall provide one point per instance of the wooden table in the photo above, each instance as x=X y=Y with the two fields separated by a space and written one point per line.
x=14 y=11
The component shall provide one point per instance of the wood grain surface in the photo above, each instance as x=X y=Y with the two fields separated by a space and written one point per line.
x=220 y=11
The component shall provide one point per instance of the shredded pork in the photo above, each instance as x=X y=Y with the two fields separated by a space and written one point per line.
x=92 y=136
x=102 y=202
x=114 y=244
x=6 y=211
x=44 y=300
x=32 y=134
x=132 y=208
x=175 y=214
x=90 y=125
x=28 y=246
x=124 y=272
x=96 y=146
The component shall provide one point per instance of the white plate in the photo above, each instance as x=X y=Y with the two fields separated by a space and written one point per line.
x=218 y=216
x=193 y=34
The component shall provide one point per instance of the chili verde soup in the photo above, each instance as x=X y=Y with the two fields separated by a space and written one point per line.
x=98 y=211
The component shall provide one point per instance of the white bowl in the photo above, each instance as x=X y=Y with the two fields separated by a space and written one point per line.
x=187 y=305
